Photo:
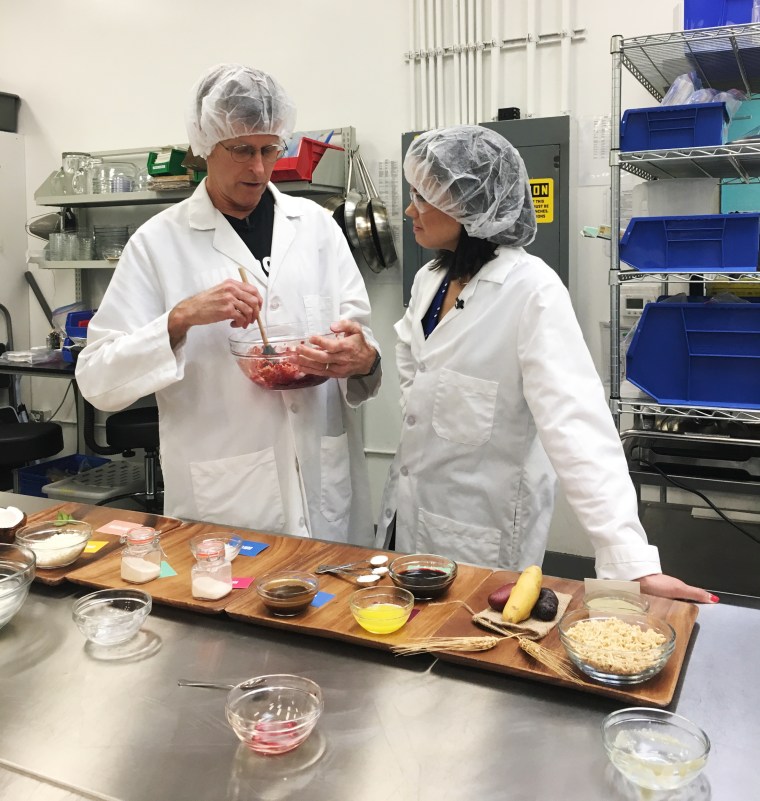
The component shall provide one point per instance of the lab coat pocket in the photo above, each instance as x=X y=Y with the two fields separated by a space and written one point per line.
x=464 y=408
x=335 y=499
x=319 y=313
x=475 y=544
x=249 y=495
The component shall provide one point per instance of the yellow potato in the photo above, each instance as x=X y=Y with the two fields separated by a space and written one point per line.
x=524 y=595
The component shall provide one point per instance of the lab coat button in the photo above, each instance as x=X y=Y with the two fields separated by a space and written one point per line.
x=404 y=471
x=389 y=513
x=294 y=408
x=422 y=367
x=301 y=522
x=274 y=304
x=411 y=420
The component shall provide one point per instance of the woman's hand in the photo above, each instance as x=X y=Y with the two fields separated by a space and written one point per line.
x=230 y=300
x=670 y=587
x=349 y=354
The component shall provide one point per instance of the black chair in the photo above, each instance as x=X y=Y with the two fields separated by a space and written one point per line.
x=125 y=431
x=22 y=443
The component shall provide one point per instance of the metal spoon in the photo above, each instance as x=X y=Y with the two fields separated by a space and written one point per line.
x=211 y=685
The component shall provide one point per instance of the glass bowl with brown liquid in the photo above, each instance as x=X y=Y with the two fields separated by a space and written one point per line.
x=425 y=575
x=287 y=592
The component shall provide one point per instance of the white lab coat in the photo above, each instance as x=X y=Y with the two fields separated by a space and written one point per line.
x=231 y=452
x=498 y=385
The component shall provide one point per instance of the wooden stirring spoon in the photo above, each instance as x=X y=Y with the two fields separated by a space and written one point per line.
x=268 y=349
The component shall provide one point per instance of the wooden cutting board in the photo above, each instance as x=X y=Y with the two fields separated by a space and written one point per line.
x=281 y=552
x=96 y=516
x=507 y=657
x=334 y=619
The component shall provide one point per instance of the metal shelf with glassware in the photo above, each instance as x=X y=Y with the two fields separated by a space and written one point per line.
x=326 y=177
x=724 y=58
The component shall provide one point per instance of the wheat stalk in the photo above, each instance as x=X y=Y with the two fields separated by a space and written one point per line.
x=549 y=659
x=423 y=645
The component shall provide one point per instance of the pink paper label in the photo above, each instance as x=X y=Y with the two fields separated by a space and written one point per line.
x=241 y=583
x=118 y=527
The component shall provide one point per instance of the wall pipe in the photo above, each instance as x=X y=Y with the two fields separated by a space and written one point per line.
x=430 y=21
x=457 y=64
x=530 y=60
x=470 y=62
x=478 y=61
x=412 y=72
x=423 y=65
x=564 y=75
x=495 y=59
x=440 y=103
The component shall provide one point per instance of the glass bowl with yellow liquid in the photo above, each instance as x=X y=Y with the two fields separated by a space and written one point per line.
x=381 y=610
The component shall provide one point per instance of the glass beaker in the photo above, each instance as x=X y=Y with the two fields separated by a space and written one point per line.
x=71 y=163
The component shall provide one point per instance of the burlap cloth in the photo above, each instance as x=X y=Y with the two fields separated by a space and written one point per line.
x=532 y=628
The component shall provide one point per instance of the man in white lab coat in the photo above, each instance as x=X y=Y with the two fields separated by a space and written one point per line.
x=233 y=452
x=499 y=393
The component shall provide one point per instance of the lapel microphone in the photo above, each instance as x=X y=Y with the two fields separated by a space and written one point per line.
x=458 y=303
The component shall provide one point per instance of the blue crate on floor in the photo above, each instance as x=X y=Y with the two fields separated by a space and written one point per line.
x=668 y=127
x=714 y=13
x=30 y=480
x=698 y=353
x=720 y=243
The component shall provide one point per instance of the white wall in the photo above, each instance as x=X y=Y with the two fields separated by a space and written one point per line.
x=97 y=75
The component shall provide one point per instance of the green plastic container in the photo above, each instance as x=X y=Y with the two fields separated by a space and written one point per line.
x=167 y=162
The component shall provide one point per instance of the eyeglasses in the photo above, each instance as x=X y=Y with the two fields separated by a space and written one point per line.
x=244 y=153
x=419 y=202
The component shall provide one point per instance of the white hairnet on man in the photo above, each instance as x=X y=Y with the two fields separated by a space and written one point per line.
x=230 y=100
x=475 y=176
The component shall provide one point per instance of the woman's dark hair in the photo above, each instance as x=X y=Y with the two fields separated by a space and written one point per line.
x=470 y=255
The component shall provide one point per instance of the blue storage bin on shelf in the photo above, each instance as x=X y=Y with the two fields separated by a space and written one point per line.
x=668 y=127
x=714 y=13
x=703 y=354
x=30 y=480
x=719 y=243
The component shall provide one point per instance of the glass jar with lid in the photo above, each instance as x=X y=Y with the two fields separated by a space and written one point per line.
x=141 y=555
x=211 y=575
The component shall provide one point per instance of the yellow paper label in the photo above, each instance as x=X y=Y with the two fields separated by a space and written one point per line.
x=542 y=190
x=93 y=546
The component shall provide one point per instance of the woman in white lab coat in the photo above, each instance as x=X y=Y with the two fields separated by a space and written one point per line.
x=499 y=393
x=231 y=452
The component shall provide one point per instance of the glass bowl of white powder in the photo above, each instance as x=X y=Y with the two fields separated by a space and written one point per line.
x=55 y=543
x=111 y=617
x=16 y=574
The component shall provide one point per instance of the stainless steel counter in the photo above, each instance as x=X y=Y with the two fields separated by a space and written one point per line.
x=78 y=722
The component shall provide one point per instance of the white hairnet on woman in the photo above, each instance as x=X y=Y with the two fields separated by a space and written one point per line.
x=500 y=396
x=475 y=176
x=230 y=100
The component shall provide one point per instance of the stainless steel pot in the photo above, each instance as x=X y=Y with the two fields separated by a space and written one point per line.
x=378 y=218
x=363 y=226
x=349 y=209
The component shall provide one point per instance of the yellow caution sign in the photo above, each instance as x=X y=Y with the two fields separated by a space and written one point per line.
x=542 y=190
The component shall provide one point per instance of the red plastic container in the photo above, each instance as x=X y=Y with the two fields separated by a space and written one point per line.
x=301 y=166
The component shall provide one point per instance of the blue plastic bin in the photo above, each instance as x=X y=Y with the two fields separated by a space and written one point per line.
x=667 y=127
x=714 y=13
x=30 y=480
x=705 y=354
x=720 y=243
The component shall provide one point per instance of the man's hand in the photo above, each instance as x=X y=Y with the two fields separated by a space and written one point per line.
x=349 y=354
x=669 y=587
x=230 y=300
